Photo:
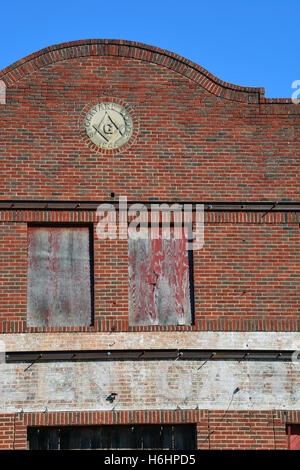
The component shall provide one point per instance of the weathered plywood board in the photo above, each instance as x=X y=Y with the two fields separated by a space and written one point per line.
x=159 y=291
x=59 y=281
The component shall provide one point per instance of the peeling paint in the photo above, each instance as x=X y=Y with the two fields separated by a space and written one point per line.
x=150 y=385
x=153 y=340
x=59 y=282
x=159 y=292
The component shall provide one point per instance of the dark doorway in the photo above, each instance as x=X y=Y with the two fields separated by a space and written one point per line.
x=169 y=437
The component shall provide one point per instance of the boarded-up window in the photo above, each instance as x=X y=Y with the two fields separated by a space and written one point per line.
x=59 y=291
x=160 y=276
x=168 y=437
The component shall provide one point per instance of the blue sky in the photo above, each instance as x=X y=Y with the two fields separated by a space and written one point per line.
x=247 y=42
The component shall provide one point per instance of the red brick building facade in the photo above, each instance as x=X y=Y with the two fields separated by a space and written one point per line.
x=192 y=139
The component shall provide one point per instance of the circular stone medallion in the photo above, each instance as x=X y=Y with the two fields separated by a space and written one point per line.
x=108 y=125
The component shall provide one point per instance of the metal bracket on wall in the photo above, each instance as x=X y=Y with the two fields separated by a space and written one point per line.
x=264 y=206
x=149 y=355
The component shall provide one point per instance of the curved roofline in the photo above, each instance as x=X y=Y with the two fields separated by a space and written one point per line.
x=134 y=50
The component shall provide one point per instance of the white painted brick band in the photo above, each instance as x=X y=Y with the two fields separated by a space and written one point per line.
x=152 y=340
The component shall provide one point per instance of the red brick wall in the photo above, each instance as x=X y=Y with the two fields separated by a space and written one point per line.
x=13 y=274
x=199 y=138
x=215 y=430
x=13 y=432
x=246 y=277
x=246 y=430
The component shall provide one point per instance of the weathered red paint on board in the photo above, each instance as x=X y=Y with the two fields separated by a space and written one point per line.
x=59 y=283
x=159 y=282
x=293 y=437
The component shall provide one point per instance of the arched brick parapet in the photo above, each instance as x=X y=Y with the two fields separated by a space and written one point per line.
x=134 y=50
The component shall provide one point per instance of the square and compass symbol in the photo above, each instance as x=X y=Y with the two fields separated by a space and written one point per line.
x=108 y=125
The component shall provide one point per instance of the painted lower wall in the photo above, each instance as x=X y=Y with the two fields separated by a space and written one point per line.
x=75 y=393
x=151 y=385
